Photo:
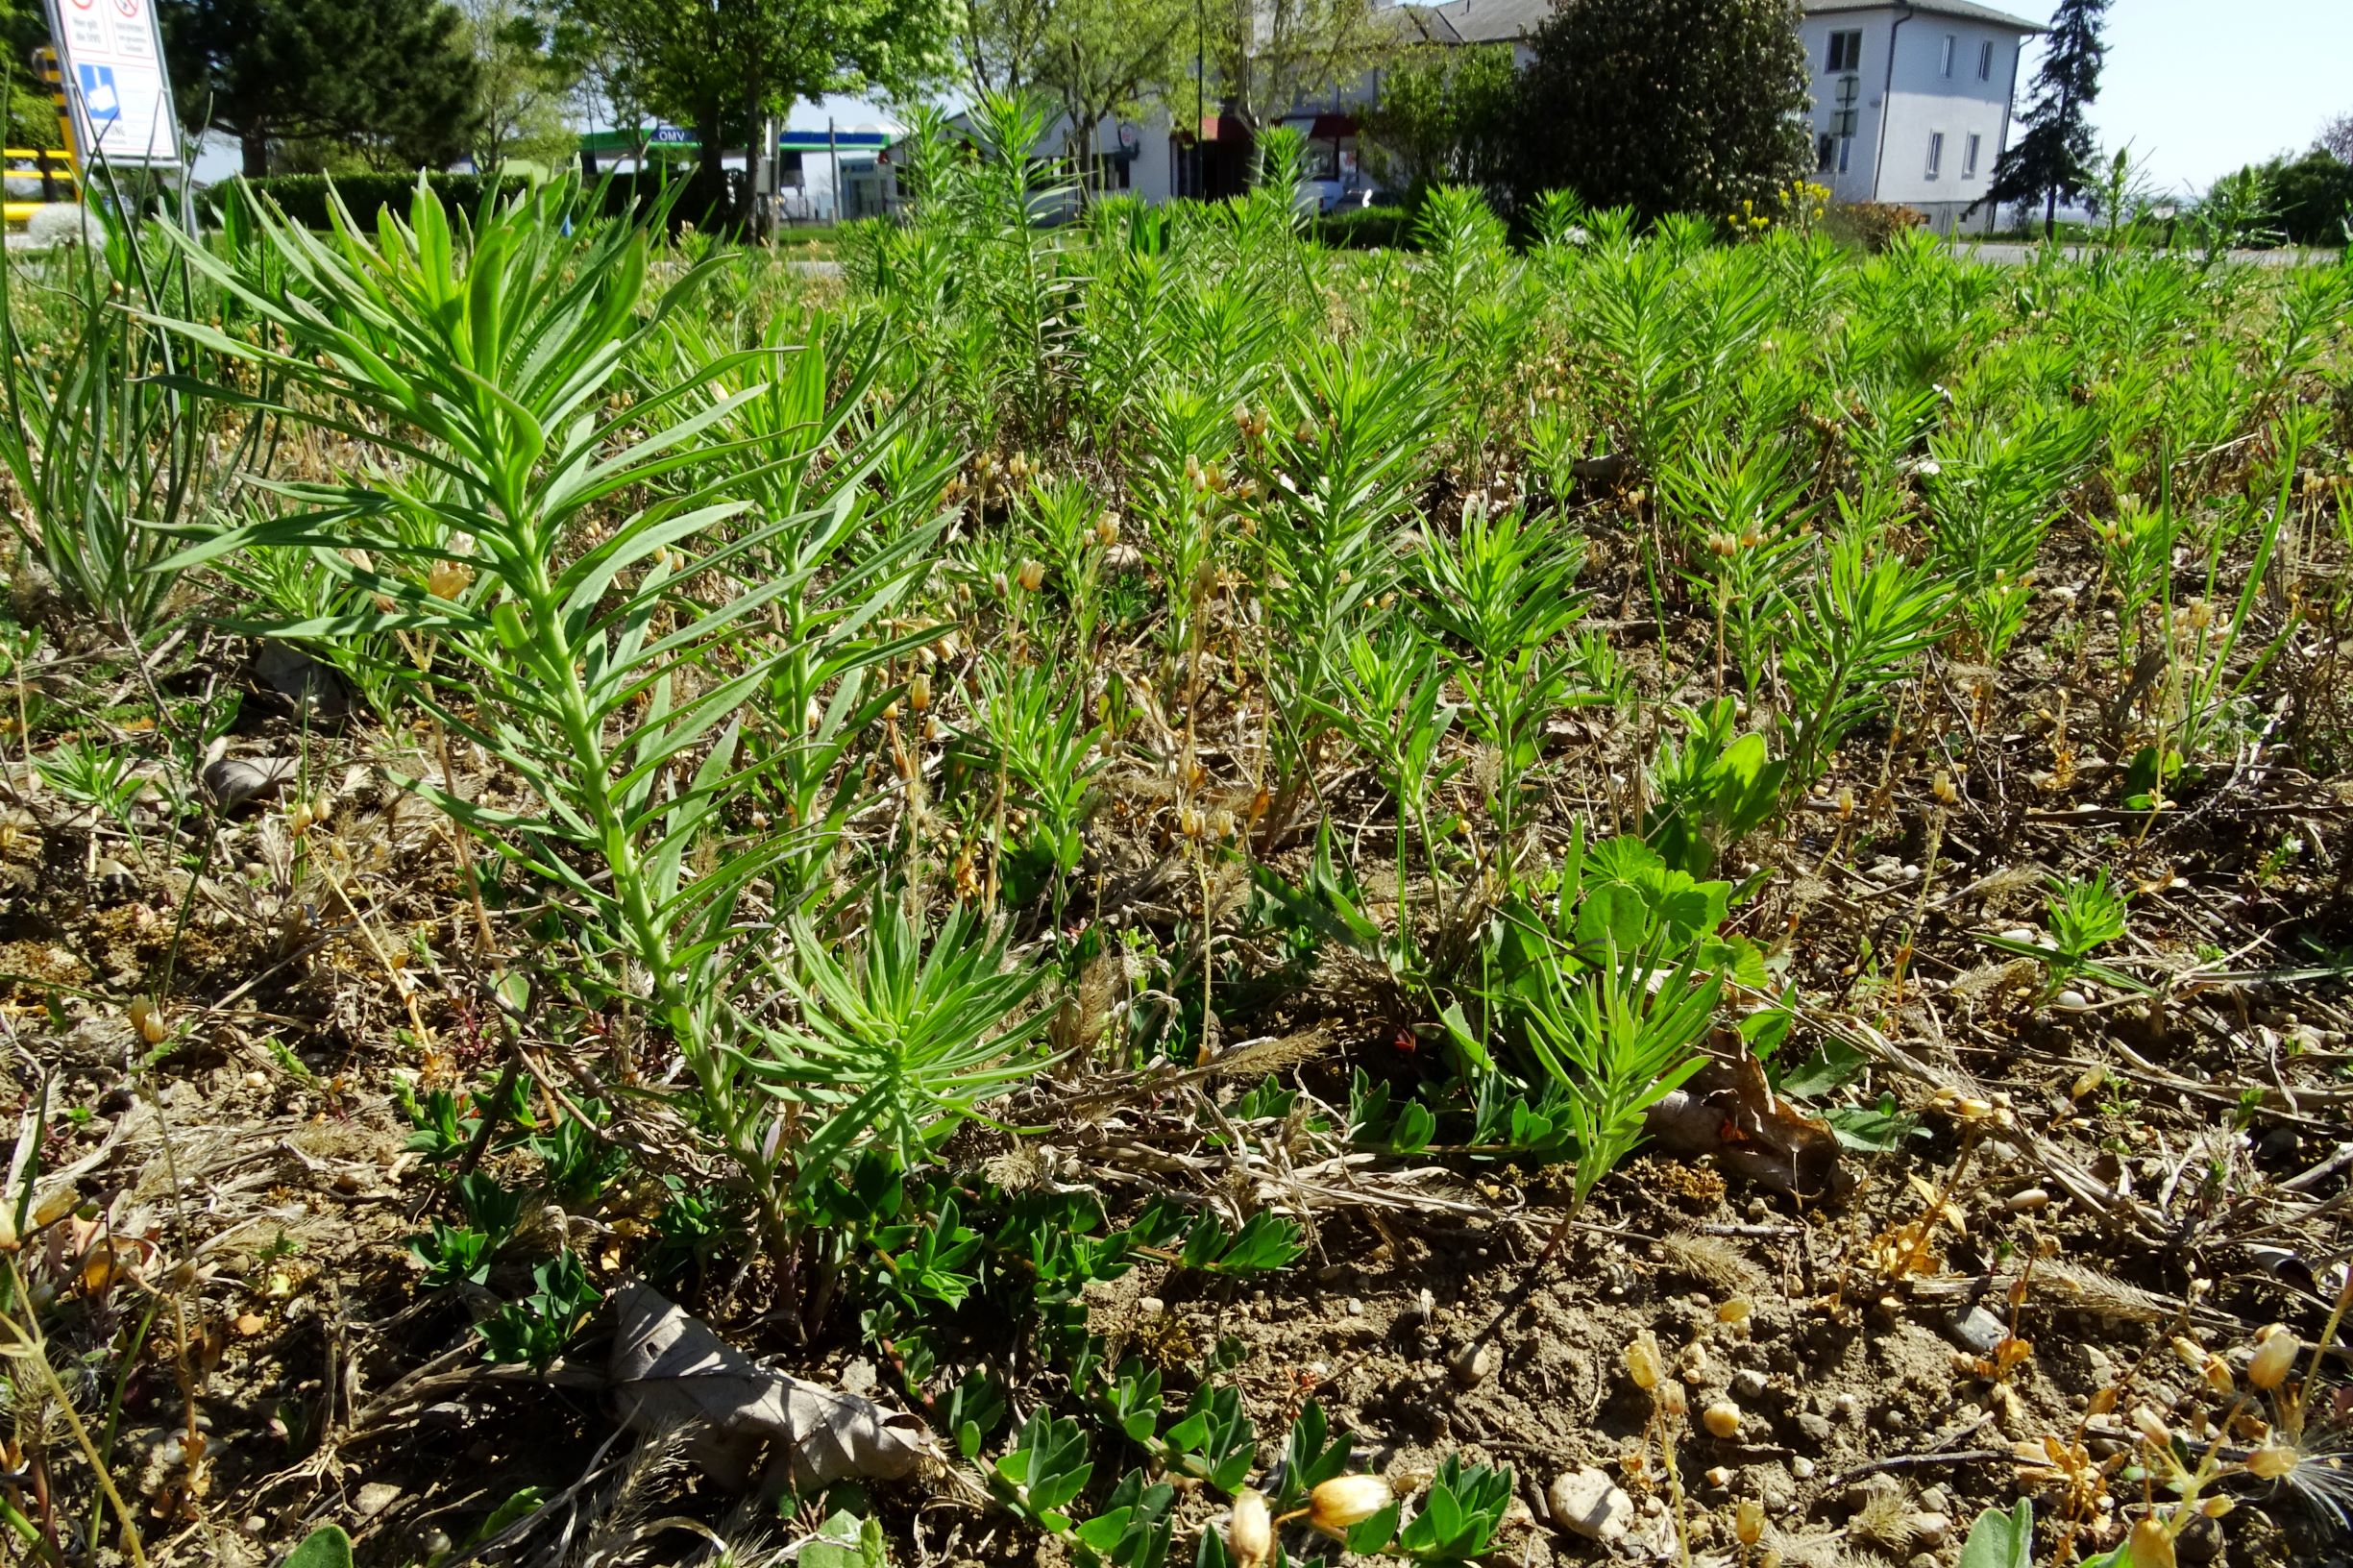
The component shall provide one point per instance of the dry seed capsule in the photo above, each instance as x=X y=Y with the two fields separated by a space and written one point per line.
x=145 y=1020
x=1722 y=1419
x=1250 y=1536
x=2273 y=1359
x=1642 y=1360
x=448 y=579
x=1346 y=1500
x=2271 y=1463
x=2151 y=1545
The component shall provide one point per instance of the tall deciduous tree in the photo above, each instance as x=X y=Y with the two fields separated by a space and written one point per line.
x=1665 y=105
x=2054 y=151
x=1092 y=57
x=1447 y=113
x=722 y=65
x=1268 y=58
x=389 y=80
x=523 y=84
x=2336 y=138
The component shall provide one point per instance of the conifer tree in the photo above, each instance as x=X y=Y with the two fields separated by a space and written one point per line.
x=2054 y=154
x=389 y=80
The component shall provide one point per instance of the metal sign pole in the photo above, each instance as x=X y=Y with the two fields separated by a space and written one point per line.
x=116 y=87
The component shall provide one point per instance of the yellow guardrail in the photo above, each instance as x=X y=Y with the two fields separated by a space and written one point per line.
x=34 y=178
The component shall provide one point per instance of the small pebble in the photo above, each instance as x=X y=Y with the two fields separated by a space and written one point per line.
x=1801 y=1466
x=1747 y=1383
x=2033 y=1198
x=1720 y=1478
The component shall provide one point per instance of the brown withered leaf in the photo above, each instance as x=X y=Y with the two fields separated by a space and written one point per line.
x=1728 y=1109
x=747 y=1422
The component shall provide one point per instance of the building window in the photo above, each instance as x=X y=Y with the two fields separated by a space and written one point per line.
x=1842 y=114
x=1846 y=147
x=1968 y=156
x=1944 y=63
x=1936 y=152
x=1846 y=51
x=1985 y=60
x=1825 y=148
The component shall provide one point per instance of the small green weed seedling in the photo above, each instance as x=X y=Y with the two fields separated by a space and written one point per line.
x=2083 y=917
x=1711 y=791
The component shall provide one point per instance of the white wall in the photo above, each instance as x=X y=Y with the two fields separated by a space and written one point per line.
x=1925 y=103
x=1151 y=172
x=1853 y=183
x=1914 y=102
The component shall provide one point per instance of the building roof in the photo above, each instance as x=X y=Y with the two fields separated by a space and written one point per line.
x=1968 y=11
x=1478 y=21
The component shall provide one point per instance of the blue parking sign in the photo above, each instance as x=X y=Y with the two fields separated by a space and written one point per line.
x=99 y=98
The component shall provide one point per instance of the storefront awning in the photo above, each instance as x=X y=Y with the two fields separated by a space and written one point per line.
x=671 y=141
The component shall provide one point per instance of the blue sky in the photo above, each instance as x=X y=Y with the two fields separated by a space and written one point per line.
x=2200 y=87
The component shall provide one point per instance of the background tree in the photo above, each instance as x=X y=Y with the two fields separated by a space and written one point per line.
x=2054 y=153
x=1446 y=112
x=1267 y=57
x=390 y=83
x=524 y=87
x=2305 y=201
x=999 y=43
x=32 y=111
x=1665 y=105
x=1092 y=57
x=2336 y=138
x=721 y=66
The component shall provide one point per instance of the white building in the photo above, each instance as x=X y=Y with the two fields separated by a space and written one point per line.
x=1912 y=101
x=1911 y=97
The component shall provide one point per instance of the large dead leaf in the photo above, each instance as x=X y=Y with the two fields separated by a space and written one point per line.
x=671 y=1372
x=1728 y=1109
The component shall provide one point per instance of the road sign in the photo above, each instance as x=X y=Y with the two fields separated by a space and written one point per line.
x=120 y=95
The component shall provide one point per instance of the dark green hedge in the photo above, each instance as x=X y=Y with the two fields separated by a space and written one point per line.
x=304 y=196
x=2313 y=197
x=1367 y=228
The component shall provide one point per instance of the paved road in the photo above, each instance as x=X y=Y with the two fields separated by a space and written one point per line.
x=2006 y=254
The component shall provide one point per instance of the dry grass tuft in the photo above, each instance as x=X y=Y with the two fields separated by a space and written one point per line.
x=2088 y=1290
x=1885 y=1519
x=1993 y=978
x=1255 y=1058
x=1710 y=1258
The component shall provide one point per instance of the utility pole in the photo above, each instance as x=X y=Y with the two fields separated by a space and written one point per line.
x=1201 y=97
x=764 y=182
